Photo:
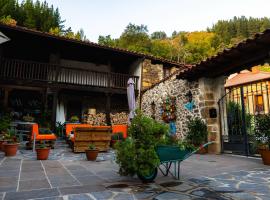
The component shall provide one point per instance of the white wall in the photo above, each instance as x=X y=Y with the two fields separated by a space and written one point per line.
x=136 y=70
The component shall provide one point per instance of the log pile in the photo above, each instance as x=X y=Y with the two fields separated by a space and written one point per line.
x=119 y=118
x=98 y=119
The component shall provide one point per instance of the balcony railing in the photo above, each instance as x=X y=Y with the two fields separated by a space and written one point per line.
x=51 y=73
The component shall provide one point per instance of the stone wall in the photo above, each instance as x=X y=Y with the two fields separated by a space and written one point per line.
x=175 y=88
x=211 y=91
x=205 y=92
x=153 y=73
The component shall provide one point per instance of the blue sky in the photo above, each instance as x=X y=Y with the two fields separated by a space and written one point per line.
x=104 y=17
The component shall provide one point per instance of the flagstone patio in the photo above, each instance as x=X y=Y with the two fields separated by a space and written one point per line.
x=69 y=176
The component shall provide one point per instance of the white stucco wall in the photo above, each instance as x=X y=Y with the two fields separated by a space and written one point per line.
x=136 y=70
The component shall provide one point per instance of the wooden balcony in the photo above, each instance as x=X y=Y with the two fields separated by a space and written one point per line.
x=55 y=74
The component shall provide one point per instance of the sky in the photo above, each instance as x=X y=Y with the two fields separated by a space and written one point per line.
x=110 y=17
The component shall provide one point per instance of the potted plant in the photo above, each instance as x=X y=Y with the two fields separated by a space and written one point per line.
x=28 y=118
x=136 y=154
x=262 y=134
x=42 y=151
x=11 y=144
x=197 y=133
x=74 y=119
x=4 y=125
x=91 y=152
x=116 y=137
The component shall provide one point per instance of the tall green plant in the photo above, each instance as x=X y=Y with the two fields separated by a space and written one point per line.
x=262 y=129
x=234 y=116
x=4 y=123
x=137 y=154
x=197 y=131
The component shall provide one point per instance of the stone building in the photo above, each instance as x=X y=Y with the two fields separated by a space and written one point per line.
x=205 y=82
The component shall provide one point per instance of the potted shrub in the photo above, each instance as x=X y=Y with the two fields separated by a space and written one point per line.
x=136 y=154
x=116 y=137
x=4 y=125
x=11 y=144
x=262 y=133
x=42 y=151
x=197 y=133
x=74 y=119
x=91 y=152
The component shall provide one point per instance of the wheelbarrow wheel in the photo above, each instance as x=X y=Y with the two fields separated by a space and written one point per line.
x=149 y=178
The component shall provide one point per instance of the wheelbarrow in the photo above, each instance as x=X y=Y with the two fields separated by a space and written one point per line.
x=170 y=157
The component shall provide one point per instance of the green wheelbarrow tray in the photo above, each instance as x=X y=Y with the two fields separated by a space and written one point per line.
x=168 y=156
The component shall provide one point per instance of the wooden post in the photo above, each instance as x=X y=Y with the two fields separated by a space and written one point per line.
x=55 y=96
x=1 y=52
x=108 y=109
x=45 y=100
x=6 y=95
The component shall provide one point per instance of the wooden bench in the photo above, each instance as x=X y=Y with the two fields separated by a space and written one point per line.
x=100 y=136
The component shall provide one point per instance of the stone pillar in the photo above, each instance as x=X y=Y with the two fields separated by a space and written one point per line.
x=211 y=91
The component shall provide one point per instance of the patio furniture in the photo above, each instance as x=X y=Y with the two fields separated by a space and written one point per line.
x=41 y=135
x=170 y=156
x=100 y=136
x=120 y=128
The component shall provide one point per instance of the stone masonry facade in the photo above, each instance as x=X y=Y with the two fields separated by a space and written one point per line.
x=174 y=88
x=153 y=73
x=205 y=95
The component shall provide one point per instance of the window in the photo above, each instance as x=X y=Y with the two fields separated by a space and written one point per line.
x=259 y=107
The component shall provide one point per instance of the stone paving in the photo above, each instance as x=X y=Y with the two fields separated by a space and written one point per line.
x=68 y=176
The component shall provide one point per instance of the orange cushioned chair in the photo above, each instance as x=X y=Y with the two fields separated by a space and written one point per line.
x=40 y=137
x=120 y=128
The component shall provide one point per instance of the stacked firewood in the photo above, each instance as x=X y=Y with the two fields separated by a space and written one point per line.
x=98 y=119
x=119 y=118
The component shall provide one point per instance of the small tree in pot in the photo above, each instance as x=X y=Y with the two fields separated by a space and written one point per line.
x=262 y=133
x=197 y=133
x=91 y=152
x=42 y=151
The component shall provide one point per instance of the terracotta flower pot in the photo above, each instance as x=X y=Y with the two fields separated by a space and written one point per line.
x=10 y=149
x=42 y=153
x=91 y=154
x=2 y=145
x=265 y=153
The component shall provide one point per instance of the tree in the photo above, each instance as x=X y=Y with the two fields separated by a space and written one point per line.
x=8 y=20
x=160 y=35
x=38 y=15
x=106 y=40
x=135 y=38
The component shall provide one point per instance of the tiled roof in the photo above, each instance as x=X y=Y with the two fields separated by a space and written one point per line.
x=92 y=44
x=247 y=77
